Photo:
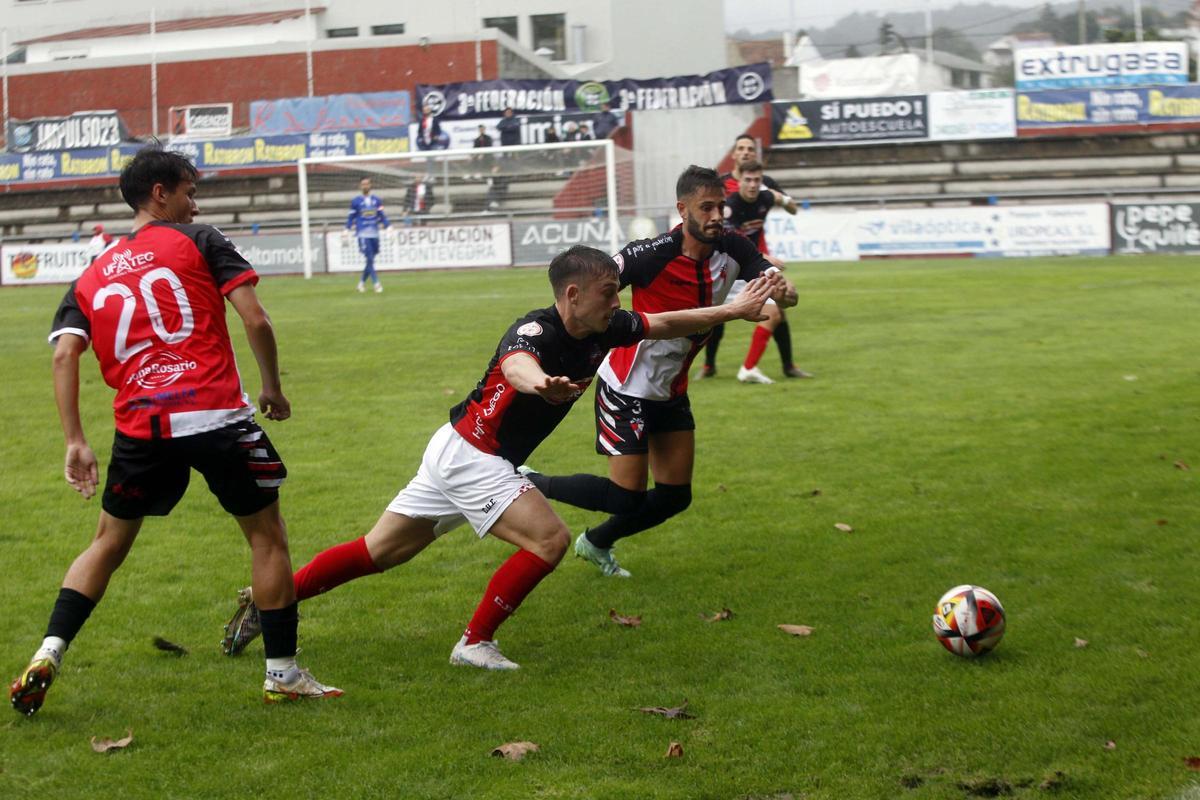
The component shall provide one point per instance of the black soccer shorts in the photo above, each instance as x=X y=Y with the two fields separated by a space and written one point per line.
x=147 y=477
x=624 y=423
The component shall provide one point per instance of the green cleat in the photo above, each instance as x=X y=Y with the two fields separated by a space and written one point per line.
x=244 y=627
x=28 y=692
x=601 y=557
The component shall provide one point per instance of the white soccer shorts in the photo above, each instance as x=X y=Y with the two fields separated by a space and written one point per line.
x=458 y=483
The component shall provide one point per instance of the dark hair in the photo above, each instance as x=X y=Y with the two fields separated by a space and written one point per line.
x=753 y=165
x=152 y=165
x=580 y=261
x=746 y=136
x=696 y=178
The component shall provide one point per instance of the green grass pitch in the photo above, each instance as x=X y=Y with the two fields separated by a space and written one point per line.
x=1014 y=424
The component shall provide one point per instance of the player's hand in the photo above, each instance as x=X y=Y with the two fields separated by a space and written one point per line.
x=274 y=405
x=557 y=389
x=748 y=304
x=80 y=469
x=345 y=235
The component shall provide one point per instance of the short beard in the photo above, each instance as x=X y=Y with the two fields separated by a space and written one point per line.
x=697 y=233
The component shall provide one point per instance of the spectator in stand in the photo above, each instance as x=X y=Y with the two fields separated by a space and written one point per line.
x=483 y=163
x=585 y=132
x=510 y=128
x=99 y=242
x=483 y=140
x=429 y=131
x=419 y=197
x=605 y=122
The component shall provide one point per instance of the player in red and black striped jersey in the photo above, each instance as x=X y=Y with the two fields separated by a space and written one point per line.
x=745 y=151
x=542 y=365
x=153 y=309
x=644 y=419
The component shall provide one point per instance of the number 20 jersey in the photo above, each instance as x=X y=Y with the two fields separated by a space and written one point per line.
x=153 y=308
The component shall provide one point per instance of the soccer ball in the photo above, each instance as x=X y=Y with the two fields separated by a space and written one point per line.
x=969 y=621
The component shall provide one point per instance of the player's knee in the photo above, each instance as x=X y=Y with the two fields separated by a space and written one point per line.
x=552 y=544
x=670 y=499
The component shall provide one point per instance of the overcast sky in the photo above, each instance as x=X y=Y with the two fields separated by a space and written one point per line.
x=757 y=15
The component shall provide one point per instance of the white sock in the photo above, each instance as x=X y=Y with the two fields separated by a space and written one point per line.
x=282 y=668
x=52 y=647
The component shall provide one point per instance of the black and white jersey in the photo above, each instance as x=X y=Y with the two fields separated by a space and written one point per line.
x=498 y=419
x=747 y=216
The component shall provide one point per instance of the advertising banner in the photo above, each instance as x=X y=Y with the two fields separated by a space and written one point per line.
x=812 y=235
x=336 y=112
x=875 y=76
x=462 y=132
x=979 y=114
x=26 y=264
x=1157 y=105
x=802 y=122
x=200 y=122
x=745 y=84
x=1156 y=227
x=538 y=241
x=279 y=253
x=985 y=230
x=426 y=246
x=65 y=164
x=80 y=131
x=1098 y=65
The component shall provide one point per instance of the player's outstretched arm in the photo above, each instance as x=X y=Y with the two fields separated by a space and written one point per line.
x=261 y=336
x=80 y=468
x=748 y=306
x=526 y=375
x=784 y=201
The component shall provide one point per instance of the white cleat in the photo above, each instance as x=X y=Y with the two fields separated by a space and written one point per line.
x=485 y=655
x=526 y=470
x=378 y=288
x=754 y=375
x=361 y=288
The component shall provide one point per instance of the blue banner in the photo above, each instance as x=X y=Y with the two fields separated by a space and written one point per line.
x=336 y=112
x=245 y=152
x=1076 y=108
x=746 y=84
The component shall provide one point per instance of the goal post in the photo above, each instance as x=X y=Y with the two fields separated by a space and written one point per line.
x=485 y=186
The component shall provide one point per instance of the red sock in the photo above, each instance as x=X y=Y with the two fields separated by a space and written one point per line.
x=758 y=346
x=333 y=567
x=515 y=579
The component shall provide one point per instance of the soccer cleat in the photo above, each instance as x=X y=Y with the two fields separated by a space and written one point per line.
x=526 y=470
x=378 y=288
x=485 y=655
x=303 y=687
x=28 y=692
x=754 y=375
x=600 y=556
x=706 y=371
x=243 y=627
x=795 y=372
x=361 y=288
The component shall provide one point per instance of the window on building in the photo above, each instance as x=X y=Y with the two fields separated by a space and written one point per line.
x=506 y=24
x=550 y=33
x=387 y=30
x=341 y=33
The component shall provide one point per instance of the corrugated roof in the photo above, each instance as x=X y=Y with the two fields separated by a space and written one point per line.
x=174 y=26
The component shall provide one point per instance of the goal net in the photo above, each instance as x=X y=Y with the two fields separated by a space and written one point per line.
x=472 y=207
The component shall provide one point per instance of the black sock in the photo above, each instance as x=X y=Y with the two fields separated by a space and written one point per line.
x=714 y=342
x=279 y=630
x=660 y=504
x=592 y=492
x=71 y=610
x=783 y=340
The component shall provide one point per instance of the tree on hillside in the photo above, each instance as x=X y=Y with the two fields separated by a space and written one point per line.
x=949 y=40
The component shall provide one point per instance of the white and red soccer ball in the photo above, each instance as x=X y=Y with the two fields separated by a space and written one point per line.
x=968 y=621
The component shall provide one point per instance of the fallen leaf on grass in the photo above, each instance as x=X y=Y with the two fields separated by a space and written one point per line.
x=796 y=630
x=1081 y=642
x=721 y=487
x=679 y=712
x=674 y=750
x=447 y=392
x=169 y=647
x=628 y=622
x=1110 y=745
x=911 y=781
x=1192 y=762
x=515 y=751
x=1182 y=465
x=1160 y=522
x=815 y=493
x=986 y=787
x=1141 y=653
x=723 y=614
x=1131 y=377
x=107 y=745
x=843 y=527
